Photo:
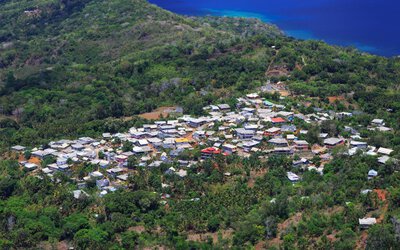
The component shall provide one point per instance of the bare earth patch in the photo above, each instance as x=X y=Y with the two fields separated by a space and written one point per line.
x=137 y=229
x=160 y=112
x=202 y=237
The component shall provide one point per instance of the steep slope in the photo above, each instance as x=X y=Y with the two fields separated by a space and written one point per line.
x=65 y=66
x=66 y=63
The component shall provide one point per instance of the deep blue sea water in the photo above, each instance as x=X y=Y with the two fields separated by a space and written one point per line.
x=370 y=25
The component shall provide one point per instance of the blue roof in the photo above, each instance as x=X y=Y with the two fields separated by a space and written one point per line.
x=268 y=103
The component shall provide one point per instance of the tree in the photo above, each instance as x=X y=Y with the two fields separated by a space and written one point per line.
x=127 y=146
x=312 y=136
x=381 y=237
x=129 y=239
x=132 y=162
x=93 y=238
x=7 y=186
x=73 y=224
x=329 y=127
x=27 y=154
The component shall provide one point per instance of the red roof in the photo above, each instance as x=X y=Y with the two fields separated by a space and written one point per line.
x=211 y=151
x=278 y=120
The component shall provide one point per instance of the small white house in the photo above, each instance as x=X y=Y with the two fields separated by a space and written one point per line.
x=366 y=222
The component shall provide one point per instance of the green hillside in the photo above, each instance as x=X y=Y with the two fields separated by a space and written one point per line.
x=75 y=68
x=67 y=65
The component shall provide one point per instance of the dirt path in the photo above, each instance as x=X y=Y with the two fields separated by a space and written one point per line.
x=272 y=61
x=382 y=194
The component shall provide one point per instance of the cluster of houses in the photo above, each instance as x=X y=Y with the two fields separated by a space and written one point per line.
x=253 y=125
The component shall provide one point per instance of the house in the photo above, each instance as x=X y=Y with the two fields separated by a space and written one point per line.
x=53 y=167
x=141 y=150
x=326 y=157
x=181 y=173
x=18 y=148
x=300 y=145
x=61 y=161
x=170 y=171
x=293 y=177
x=115 y=171
x=283 y=150
x=123 y=177
x=229 y=148
x=64 y=168
x=63 y=144
x=150 y=127
x=358 y=144
x=288 y=129
x=301 y=162
x=30 y=166
x=168 y=143
x=342 y=115
x=268 y=104
x=142 y=142
x=244 y=134
x=351 y=130
x=251 y=127
x=195 y=123
x=175 y=153
x=384 y=151
x=272 y=131
x=77 y=147
x=96 y=175
x=366 y=222
x=41 y=154
x=323 y=135
x=377 y=122
x=156 y=142
x=248 y=145
x=155 y=164
x=121 y=158
x=47 y=170
x=366 y=191
x=333 y=142
x=383 y=159
x=103 y=163
x=181 y=141
x=137 y=135
x=103 y=193
x=102 y=183
x=278 y=120
x=383 y=129
x=278 y=142
x=252 y=96
x=224 y=107
x=291 y=137
x=213 y=108
x=79 y=194
x=352 y=151
x=258 y=137
x=372 y=173
x=209 y=152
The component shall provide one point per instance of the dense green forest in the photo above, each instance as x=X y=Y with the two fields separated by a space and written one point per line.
x=67 y=66
x=40 y=212
x=71 y=68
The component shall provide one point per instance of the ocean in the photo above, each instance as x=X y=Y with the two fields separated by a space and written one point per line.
x=370 y=25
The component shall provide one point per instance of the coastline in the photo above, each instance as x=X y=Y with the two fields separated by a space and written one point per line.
x=281 y=22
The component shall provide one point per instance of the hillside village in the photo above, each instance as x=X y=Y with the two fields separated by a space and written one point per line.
x=127 y=126
x=254 y=126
